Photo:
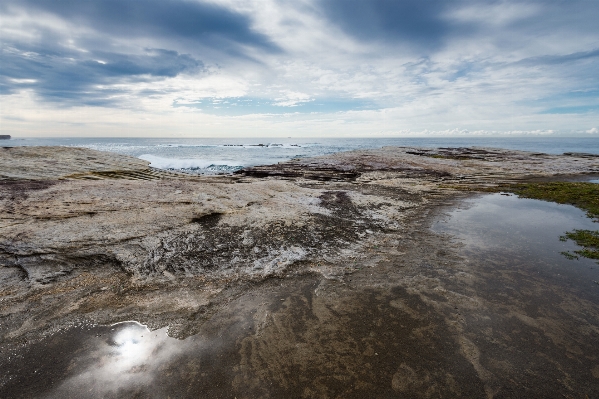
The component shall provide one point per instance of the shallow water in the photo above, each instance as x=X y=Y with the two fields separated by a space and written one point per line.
x=523 y=233
x=124 y=360
x=499 y=313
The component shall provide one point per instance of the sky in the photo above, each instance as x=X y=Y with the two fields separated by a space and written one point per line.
x=298 y=68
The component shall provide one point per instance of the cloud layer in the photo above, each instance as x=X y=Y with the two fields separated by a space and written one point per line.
x=329 y=67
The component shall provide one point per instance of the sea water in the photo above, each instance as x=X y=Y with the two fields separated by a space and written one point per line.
x=225 y=155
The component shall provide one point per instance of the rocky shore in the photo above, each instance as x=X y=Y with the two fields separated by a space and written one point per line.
x=92 y=237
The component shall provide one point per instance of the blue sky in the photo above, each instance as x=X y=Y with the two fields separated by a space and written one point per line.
x=306 y=68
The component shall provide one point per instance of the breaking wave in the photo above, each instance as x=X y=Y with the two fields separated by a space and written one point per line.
x=191 y=165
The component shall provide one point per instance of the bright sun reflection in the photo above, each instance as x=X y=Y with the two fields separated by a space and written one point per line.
x=129 y=356
x=131 y=346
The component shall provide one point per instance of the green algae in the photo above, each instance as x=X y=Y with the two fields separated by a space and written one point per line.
x=582 y=195
x=588 y=239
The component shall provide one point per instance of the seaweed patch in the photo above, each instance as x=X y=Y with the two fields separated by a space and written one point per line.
x=588 y=239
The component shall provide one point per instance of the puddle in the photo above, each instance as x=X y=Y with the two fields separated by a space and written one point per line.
x=127 y=360
x=308 y=338
x=122 y=360
x=524 y=234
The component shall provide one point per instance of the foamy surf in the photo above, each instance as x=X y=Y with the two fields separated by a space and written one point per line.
x=192 y=165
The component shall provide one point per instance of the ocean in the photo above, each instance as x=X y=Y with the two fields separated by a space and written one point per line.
x=220 y=156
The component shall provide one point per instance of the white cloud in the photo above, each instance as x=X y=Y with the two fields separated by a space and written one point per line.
x=472 y=84
x=292 y=99
x=497 y=15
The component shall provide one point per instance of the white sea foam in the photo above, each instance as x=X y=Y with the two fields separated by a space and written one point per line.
x=191 y=164
x=263 y=145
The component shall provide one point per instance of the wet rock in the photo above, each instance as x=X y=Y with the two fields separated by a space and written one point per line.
x=75 y=220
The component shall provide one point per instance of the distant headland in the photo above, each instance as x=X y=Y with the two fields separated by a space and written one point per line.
x=4 y=136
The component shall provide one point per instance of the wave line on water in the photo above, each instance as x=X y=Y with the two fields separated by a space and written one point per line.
x=191 y=164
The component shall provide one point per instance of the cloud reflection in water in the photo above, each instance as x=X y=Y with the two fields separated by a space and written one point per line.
x=124 y=364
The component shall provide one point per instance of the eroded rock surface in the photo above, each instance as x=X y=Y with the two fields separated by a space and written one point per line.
x=51 y=163
x=464 y=165
x=101 y=238
x=295 y=216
